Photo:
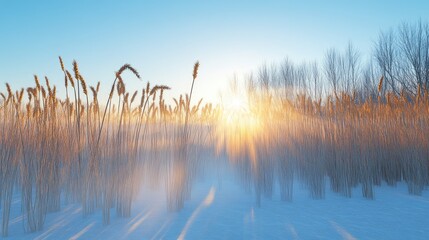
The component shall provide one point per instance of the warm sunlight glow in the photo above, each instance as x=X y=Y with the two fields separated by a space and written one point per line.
x=237 y=104
x=214 y=120
x=238 y=129
x=237 y=114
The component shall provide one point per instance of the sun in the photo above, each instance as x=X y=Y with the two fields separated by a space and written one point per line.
x=237 y=105
x=237 y=114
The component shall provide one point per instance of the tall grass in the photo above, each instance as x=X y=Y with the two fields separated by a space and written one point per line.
x=75 y=150
x=53 y=149
x=348 y=142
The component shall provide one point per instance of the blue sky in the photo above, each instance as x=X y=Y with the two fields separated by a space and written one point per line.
x=163 y=39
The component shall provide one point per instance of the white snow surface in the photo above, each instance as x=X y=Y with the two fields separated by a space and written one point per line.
x=220 y=208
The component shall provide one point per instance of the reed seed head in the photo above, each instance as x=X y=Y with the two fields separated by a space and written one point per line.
x=128 y=66
x=98 y=87
x=70 y=78
x=195 y=73
x=61 y=63
x=47 y=84
x=147 y=88
x=83 y=83
x=9 y=90
x=36 y=79
x=76 y=69
x=133 y=97
x=94 y=93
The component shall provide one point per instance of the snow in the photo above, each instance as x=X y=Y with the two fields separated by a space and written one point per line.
x=221 y=208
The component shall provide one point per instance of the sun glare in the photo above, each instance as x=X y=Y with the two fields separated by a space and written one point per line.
x=238 y=115
x=237 y=105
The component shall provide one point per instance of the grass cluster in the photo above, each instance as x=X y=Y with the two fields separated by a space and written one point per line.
x=75 y=150
x=54 y=150
x=342 y=140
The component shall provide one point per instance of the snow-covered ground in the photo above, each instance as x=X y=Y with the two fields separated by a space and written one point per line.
x=221 y=208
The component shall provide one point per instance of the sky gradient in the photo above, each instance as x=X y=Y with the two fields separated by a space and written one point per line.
x=163 y=39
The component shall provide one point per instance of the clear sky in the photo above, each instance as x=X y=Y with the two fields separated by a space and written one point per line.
x=163 y=39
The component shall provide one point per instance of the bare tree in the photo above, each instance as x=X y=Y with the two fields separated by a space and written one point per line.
x=287 y=77
x=302 y=78
x=332 y=69
x=386 y=56
x=264 y=78
x=316 y=84
x=370 y=77
x=413 y=43
x=352 y=67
